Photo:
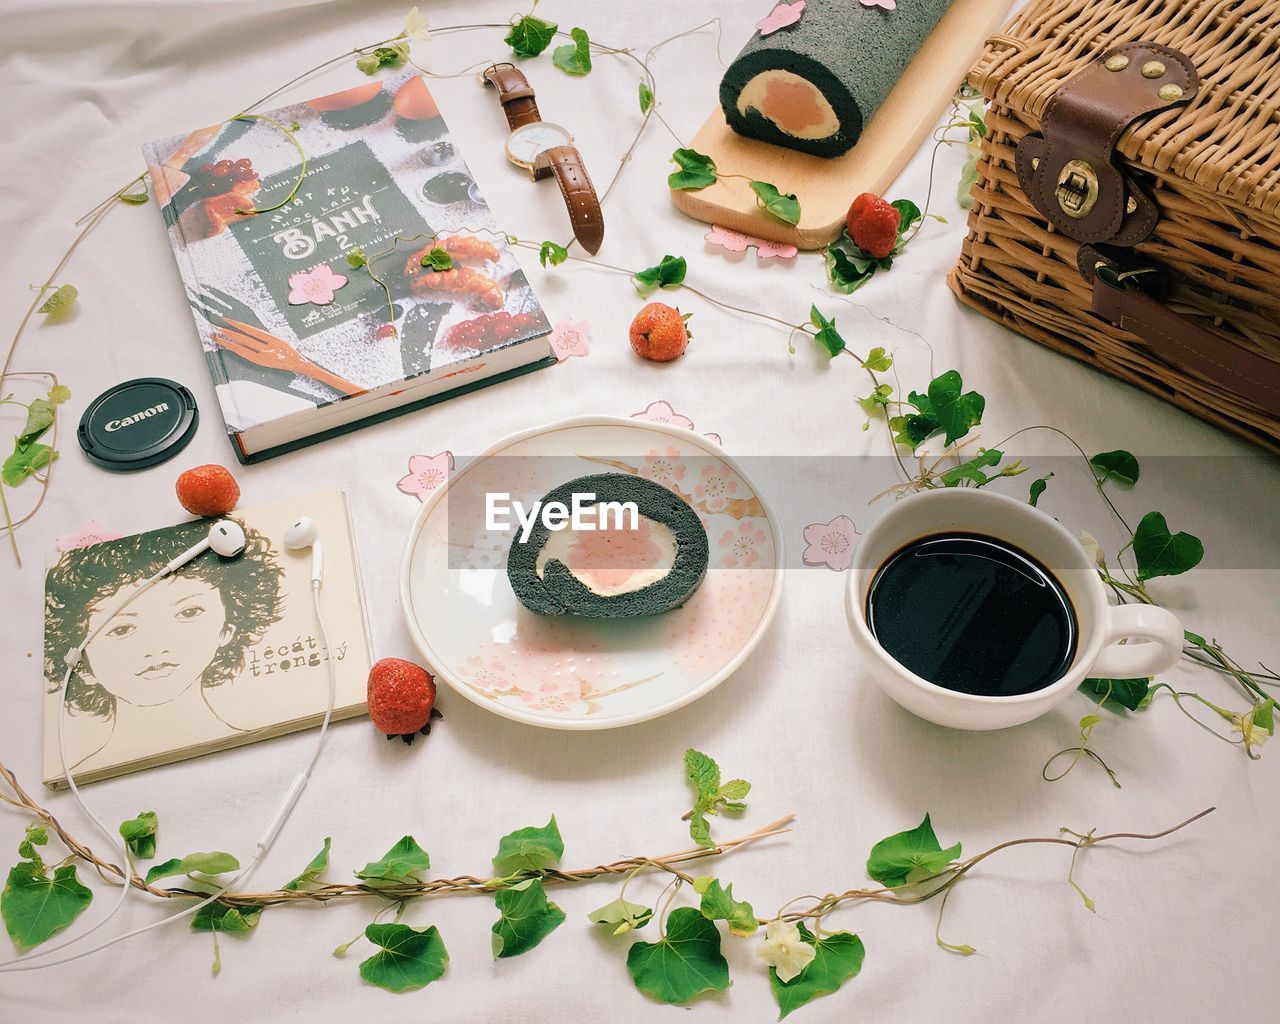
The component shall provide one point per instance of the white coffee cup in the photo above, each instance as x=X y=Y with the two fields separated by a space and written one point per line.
x=1153 y=635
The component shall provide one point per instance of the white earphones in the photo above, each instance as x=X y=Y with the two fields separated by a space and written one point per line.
x=305 y=534
x=226 y=538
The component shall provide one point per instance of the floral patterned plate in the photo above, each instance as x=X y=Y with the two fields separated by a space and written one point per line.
x=573 y=673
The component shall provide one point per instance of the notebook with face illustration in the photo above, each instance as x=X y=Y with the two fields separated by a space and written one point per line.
x=220 y=653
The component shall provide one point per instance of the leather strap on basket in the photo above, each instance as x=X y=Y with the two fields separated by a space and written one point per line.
x=1068 y=170
x=1119 y=296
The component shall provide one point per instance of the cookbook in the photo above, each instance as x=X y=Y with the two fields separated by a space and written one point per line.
x=223 y=652
x=301 y=235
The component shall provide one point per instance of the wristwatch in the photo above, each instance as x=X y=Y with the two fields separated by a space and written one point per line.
x=545 y=149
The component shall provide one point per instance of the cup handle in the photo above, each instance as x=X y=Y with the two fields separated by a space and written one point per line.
x=1161 y=630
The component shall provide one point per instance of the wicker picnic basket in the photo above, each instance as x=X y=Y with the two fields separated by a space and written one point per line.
x=1127 y=208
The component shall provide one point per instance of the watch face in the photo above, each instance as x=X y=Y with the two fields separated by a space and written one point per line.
x=526 y=142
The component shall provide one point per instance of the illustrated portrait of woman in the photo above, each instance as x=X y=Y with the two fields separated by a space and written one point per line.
x=148 y=671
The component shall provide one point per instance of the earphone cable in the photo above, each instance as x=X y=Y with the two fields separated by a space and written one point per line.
x=277 y=819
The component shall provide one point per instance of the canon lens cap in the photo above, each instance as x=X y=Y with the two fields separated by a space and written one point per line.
x=138 y=423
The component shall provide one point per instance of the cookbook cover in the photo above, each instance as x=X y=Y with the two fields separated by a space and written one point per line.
x=263 y=213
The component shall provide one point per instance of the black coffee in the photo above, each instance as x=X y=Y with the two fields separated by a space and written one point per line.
x=973 y=614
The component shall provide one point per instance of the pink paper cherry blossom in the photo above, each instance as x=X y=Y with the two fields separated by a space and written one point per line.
x=766 y=250
x=830 y=544
x=782 y=16
x=888 y=5
x=730 y=241
x=736 y=241
x=661 y=412
x=315 y=286
x=426 y=473
x=570 y=338
x=93 y=532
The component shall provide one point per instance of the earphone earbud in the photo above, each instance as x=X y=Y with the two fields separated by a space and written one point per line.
x=305 y=534
x=226 y=538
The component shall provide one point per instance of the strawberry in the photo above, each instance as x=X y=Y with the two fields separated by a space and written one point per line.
x=873 y=225
x=402 y=698
x=208 y=490
x=660 y=333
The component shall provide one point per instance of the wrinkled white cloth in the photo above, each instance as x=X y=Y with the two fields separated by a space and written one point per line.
x=1184 y=929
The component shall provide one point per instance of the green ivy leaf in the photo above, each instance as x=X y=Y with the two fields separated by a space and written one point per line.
x=529 y=849
x=955 y=410
x=877 y=361
x=35 y=906
x=972 y=470
x=26 y=460
x=697 y=170
x=848 y=267
x=60 y=300
x=827 y=336
x=574 y=58
x=36 y=835
x=408 y=958
x=685 y=962
x=135 y=198
x=357 y=258
x=529 y=36
x=837 y=957
x=875 y=402
x=39 y=419
x=437 y=259
x=909 y=214
x=139 y=834
x=783 y=205
x=383 y=57
x=312 y=872
x=718 y=904
x=550 y=252
x=59 y=393
x=215 y=863
x=1160 y=553
x=1118 y=465
x=526 y=917
x=621 y=915
x=646 y=97
x=1037 y=489
x=402 y=863
x=222 y=917
x=908 y=856
x=667 y=274
x=1134 y=694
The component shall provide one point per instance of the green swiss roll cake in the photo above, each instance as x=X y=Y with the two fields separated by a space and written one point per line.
x=613 y=572
x=813 y=85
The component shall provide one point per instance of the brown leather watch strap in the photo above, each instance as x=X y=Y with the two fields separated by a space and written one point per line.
x=1067 y=171
x=565 y=162
x=1177 y=340
x=514 y=93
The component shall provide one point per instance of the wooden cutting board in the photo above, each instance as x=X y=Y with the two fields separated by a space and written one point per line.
x=826 y=186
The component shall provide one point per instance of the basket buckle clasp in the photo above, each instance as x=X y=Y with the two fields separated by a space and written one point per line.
x=1077 y=189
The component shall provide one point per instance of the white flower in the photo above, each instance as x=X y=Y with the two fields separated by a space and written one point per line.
x=415 y=26
x=1251 y=733
x=784 y=950
x=1093 y=549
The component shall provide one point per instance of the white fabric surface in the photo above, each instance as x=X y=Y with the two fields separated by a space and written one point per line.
x=1185 y=930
